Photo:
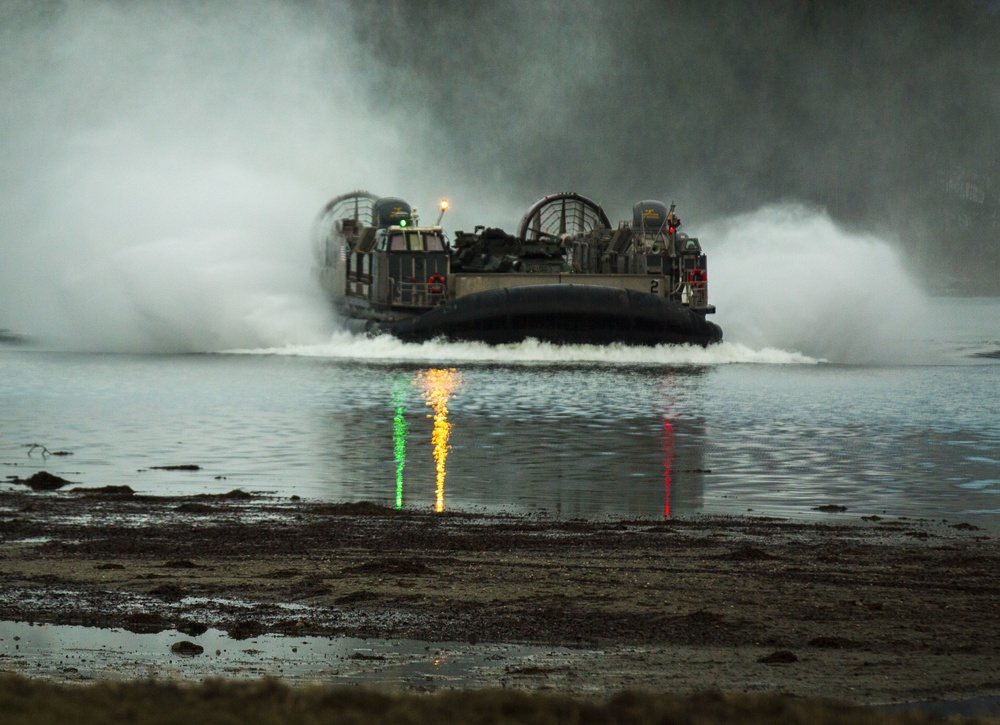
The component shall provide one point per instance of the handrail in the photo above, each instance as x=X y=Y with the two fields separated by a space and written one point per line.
x=417 y=294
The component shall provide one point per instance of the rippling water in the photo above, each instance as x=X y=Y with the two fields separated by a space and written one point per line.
x=570 y=432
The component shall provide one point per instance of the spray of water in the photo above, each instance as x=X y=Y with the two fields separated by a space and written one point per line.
x=344 y=346
x=163 y=165
x=790 y=287
x=786 y=276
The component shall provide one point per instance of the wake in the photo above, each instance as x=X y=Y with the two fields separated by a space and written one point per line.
x=345 y=346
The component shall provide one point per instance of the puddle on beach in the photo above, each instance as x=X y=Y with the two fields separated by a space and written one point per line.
x=86 y=653
x=80 y=654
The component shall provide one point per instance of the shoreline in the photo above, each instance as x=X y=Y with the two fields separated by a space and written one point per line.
x=878 y=611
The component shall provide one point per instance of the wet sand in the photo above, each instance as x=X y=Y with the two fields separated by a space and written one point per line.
x=863 y=611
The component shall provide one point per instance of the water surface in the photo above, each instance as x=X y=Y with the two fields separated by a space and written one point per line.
x=568 y=432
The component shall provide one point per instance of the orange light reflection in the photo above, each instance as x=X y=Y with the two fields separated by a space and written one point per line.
x=436 y=386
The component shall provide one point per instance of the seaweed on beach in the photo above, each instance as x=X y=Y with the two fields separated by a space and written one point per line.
x=42 y=481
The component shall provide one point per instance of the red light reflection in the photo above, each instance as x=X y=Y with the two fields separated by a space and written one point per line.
x=668 y=462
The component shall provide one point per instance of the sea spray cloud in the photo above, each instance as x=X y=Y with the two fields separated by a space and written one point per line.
x=163 y=164
x=787 y=276
x=207 y=136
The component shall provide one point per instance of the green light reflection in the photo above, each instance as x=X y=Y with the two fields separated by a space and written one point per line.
x=400 y=388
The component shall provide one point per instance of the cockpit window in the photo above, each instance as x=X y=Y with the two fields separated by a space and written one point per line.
x=416 y=242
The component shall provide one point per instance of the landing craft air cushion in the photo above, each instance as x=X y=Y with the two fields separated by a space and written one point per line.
x=567 y=277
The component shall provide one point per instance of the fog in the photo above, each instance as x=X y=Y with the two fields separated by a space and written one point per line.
x=163 y=162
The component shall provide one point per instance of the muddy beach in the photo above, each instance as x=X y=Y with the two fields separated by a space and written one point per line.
x=863 y=611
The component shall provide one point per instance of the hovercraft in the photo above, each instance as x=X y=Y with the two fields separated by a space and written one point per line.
x=566 y=277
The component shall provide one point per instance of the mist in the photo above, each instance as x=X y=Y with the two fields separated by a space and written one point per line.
x=163 y=162
x=787 y=277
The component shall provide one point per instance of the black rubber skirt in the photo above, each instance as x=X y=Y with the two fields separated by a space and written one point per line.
x=559 y=313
